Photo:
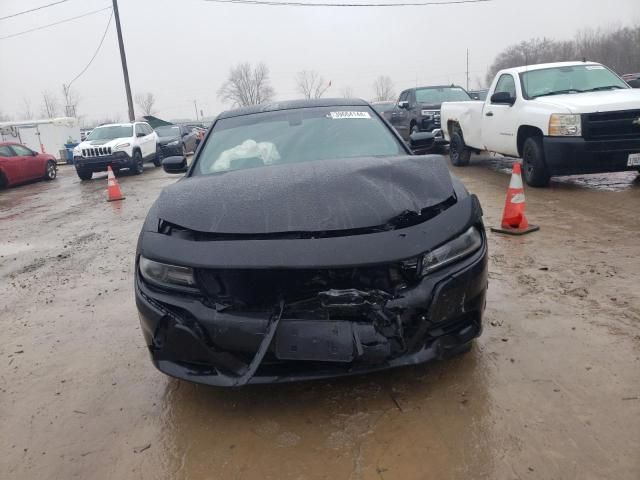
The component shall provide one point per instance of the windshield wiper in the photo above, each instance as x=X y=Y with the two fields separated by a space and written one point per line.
x=606 y=87
x=559 y=92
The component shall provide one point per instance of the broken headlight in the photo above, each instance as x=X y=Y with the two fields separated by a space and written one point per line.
x=167 y=276
x=452 y=251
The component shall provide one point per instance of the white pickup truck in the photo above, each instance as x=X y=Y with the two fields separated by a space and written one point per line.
x=560 y=118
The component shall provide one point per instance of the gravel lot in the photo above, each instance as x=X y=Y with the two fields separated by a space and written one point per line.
x=550 y=391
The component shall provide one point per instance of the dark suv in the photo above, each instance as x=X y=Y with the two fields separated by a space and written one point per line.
x=418 y=110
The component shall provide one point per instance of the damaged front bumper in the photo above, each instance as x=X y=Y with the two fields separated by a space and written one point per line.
x=336 y=332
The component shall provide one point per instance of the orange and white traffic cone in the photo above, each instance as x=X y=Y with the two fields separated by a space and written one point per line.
x=514 y=221
x=113 y=189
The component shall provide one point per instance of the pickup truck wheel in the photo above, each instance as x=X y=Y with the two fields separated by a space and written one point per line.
x=138 y=163
x=458 y=152
x=534 y=169
x=84 y=174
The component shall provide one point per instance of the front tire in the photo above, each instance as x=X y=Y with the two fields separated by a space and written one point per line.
x=138 y=163
x=84 y=174
x=157 y=160
x=534 y=169
x=52 y=170
x=459 y=154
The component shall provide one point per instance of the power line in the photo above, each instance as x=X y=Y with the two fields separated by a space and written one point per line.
x=34 y=9
x=54 y=24
x=274 y=3
x=106 y=30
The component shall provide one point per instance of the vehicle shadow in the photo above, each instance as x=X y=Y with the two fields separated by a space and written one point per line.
x=376 y=423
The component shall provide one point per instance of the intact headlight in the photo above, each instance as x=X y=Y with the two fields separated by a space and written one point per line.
x=456 y=249
x=168 y=276
x=173 y=144
x=565 y=125
x=429 y=113
x=120 y=147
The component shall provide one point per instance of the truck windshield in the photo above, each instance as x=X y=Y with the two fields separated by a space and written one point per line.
x=438 y=95
x=569 y=79
x=111 y=132
x=168 y=131
x=295 y=135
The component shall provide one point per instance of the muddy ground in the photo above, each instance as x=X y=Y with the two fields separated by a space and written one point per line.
x=550 y=391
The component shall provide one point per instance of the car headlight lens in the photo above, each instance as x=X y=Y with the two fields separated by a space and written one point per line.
x=565 y=125
x=456 y=249
x=168 y=276
x=121 y=146
x=173 y=144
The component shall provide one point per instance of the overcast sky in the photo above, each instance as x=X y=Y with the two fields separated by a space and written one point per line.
x=181 y=50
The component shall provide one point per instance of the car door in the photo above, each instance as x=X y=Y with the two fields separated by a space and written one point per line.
x=150 y=138
x=190 y=139
x=11 y=164
x=500 y=121
x=142 y=137
x=30 y=164
x=399 y=116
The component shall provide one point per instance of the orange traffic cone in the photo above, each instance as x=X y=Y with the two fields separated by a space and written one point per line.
x=514 y=221
x=113 y=189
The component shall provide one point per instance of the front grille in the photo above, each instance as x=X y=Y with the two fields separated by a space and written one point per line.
x=261 y=288
x=96 y=152
x=620 y=125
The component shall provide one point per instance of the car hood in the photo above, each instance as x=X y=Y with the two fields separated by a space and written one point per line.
x=320 y=196
x=103 y=143
x=592 y=102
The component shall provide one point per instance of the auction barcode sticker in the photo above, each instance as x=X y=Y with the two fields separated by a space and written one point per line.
x=341 y=115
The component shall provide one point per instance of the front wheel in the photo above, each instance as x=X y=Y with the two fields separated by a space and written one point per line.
x=84 y=174
x=52 y=170
x=138 y=163
x=157 y=160
x=459 y=154
x=534 y=169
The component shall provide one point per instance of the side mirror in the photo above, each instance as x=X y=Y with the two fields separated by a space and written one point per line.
x=174 y=164
x=503 y=98
x=421 y=140
x=403 y=104
x=139 y=134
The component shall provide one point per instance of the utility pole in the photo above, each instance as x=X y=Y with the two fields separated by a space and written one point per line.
x=123 y=57
x=195 y=105
x=467 y=69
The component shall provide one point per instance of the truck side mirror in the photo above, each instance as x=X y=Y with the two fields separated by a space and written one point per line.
x=421 y=140
x=403 y=104
x=174 y=164
x=503 y=98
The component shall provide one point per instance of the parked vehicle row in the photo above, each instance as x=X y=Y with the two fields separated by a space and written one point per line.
x=560 y=118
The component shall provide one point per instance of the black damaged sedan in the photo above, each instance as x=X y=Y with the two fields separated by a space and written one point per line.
x=305 y=241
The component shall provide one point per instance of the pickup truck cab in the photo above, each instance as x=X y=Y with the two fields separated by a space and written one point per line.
x=560 y=118
x=418 y=110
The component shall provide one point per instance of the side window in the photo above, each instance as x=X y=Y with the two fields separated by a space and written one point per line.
x=22 y=151
x=139 y=129
x=5 y=151
x=412 y=97
x=403 y=96
x=147 y=128
x=506 y=83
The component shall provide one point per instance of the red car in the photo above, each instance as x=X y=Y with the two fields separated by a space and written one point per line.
x=19 y=164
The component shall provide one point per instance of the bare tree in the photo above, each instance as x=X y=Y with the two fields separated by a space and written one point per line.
x=247 y=85
x=27 y=111
x=50 y=105
x=311 y=84
x=383 y=88
x=347 y=92
x=4 y=117
x=146 y=102
x=617 y=49
x=71 y=101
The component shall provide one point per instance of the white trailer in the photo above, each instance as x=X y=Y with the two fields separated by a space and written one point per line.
x=46 y=136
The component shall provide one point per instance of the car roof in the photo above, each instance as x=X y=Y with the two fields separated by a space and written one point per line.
x=128 y=124
x=294 y=104
x=542 y=66
x=438 y=86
